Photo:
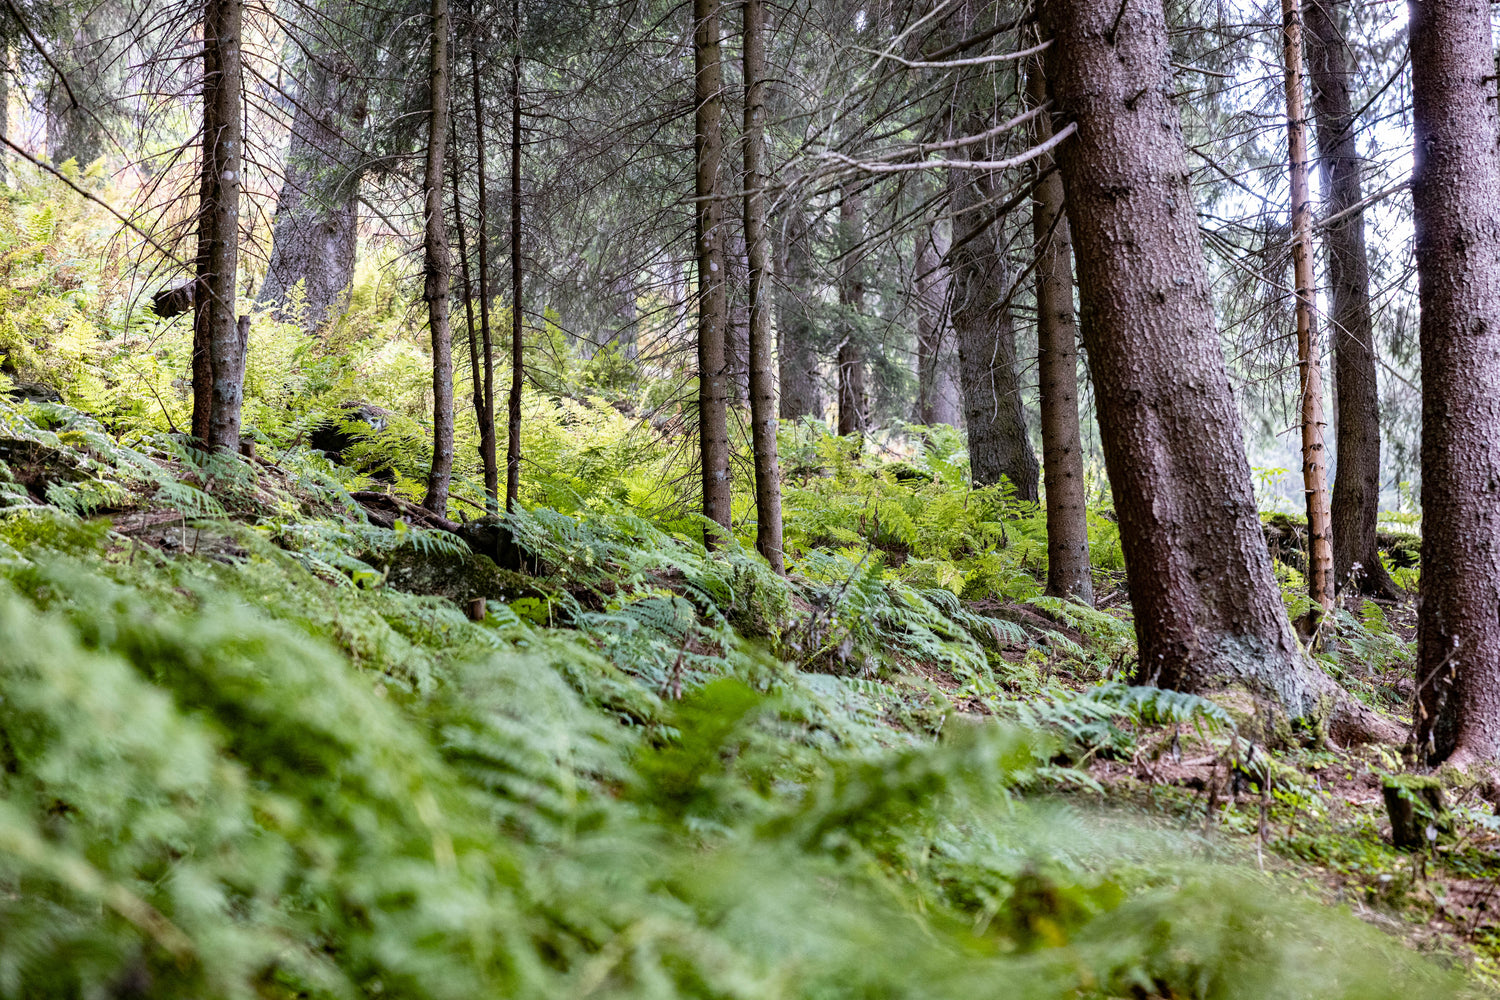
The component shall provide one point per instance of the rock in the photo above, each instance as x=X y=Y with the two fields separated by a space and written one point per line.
x=33 y=392
x=359 y=422
x=461 y=576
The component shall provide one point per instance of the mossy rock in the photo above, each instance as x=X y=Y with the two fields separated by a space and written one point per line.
x=460 y=576
x=1419 y=815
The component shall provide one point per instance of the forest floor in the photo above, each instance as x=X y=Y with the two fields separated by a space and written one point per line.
x=1312 y=819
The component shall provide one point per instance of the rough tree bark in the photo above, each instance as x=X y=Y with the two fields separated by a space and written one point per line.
x=851 y=355
x=986 y=336
x=1356 y=482
x=1320 y=577
x=218 y=354
x=708 y=144
x=758 y=253
x=1057 y=365
x=517 y=312
x=315 y=233
x=796 y=360
x=937 y=392
x=1456 y=198
x=1207 y=611
x=437 y=267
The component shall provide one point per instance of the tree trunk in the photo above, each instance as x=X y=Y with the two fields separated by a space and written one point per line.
x=998 y=443
x=517 y=312
x=483 y=401
x=315 y=234
x=1057 y=366
x=758 y=252
x=851 y=357
x=437 y=267
x=486 y=337
x=1320 y=578
x=1207 y=611
x=936 y=392
x=797 y=361
x=1356 y=483
x=1456 y=198
x=708 y=143
x=218 y=355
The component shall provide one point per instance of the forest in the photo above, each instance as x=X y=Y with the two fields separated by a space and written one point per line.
x=749 y=499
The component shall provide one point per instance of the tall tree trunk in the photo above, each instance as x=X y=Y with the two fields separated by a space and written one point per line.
x=797 y=361
x=1208 y=614
x=1356 y=483
x=998 y=443
x=517 y=312
x=315 y=233
x=708 y=143
x=437 y=267
x=758 y=252
x=1456 y=198
x=482 y=405
x=851 y=355
x=936 y=391
x=1057 y=364
x=218 y=354
x=486 y=339
x=1320 y=578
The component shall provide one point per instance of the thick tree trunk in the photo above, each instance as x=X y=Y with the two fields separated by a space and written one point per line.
x=1057 y=366
x=1356 y=483
x=797 y=361
x=315 y=234
x=218 y=355
x=1320 y=578
x=708 y=143
x=1456 y=198
x=1207 y=611
x=437 y=267
x=982 y=324
x=517 y=311
x=937 y=391
x=762 y=373
x=851 y=355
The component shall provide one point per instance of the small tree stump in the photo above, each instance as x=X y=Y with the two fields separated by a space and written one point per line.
x=1418 y=814
x=475 y=609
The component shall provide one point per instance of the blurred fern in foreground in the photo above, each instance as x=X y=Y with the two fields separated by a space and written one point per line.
x=200 y=800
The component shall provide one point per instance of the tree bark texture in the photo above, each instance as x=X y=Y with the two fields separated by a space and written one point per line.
x=437 y=266
x=983 y=327
x=1456 y=198
x=517 y=312
x=937 y=388
x=1320 y=578
x=218 y=356
x=1057 y=368
x=763 y=422
x=851 y=354
x=708 y=144
x=796 y=358
x=1208 y=614
x=1356 y=483
x=315 y=233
